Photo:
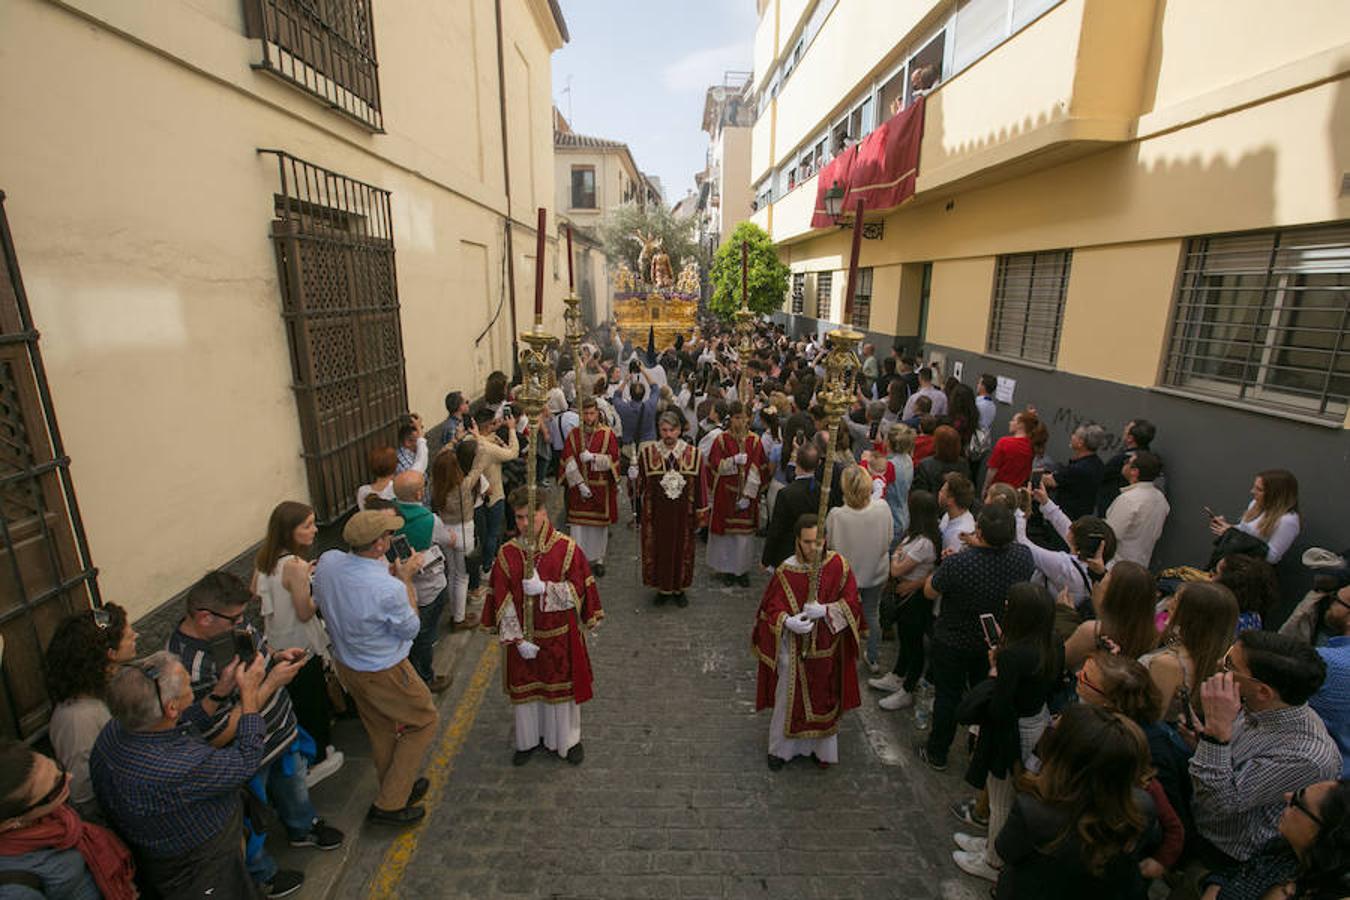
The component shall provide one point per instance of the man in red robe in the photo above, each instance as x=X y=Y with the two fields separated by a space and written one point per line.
x=590 y=469
x=739 y=471
x=808 y=652
x=671 y=484
x=538 y=617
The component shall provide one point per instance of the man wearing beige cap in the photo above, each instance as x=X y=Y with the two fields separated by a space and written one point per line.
x=370 y=608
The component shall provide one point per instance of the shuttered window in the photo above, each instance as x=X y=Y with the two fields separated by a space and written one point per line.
x=1265 y=318
x=824 y=287
x=1028 y=307
x=334 y=243
x=862 y=300
x=798 y=292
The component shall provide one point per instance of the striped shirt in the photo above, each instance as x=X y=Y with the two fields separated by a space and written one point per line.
x=167 y=792
x=1240 y=787
x=278 y=714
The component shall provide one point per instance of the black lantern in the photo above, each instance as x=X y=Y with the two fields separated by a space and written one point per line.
x=834 y=200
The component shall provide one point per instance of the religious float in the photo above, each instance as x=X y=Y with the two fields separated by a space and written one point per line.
x=654 y=298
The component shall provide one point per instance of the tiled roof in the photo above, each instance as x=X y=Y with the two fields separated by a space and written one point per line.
x=571 y=139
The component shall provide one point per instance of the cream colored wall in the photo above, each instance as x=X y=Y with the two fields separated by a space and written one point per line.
x=141 y=213
x=885 y=299
x=735 y=186
x=958 y=309
x=766 y=46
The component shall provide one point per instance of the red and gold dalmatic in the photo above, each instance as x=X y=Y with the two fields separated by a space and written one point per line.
x=562 y=669
x=731 y=482
x=669 y=523
x=823 y=663
x=600 y=474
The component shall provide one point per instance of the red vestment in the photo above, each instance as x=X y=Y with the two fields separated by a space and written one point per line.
x=668 y=525
x=562 y=669
x=823 y=676
x=603 y=506
x=729 y=486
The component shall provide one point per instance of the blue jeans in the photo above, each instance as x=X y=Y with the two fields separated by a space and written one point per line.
x=420 y=654
x=289 y=796
x=870 y=597
x=494 y=522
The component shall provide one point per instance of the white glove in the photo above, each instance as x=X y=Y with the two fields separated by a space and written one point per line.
x=633 y=472
x=585 y=490
x=742 y=459
x=878 y=488
x=743 y=503
x=585 y=456
x=527 y=650
x=813 y=611
x=798 y=624
x=533 y=586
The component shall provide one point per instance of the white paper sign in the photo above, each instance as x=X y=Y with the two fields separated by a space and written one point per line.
x=957 y=368
x=1004 y=392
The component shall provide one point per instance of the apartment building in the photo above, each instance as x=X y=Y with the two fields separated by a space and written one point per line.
x=594 y=176
x=1124 y=209
x=724 y=197
x=254 y=234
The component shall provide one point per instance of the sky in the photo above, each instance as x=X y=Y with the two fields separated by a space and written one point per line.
x=639 y=70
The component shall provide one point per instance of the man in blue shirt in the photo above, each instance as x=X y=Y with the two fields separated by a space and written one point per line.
x=1332 y=700
x=370 y=608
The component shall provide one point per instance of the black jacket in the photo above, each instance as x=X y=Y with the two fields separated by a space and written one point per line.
x=800 y=497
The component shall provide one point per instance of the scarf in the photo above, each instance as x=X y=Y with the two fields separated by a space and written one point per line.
x=107 y=859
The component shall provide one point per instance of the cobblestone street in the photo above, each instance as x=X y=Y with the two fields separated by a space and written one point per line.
x=674 y=798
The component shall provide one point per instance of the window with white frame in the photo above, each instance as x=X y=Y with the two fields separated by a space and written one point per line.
x=1028 y=308
x=798 y=292
x=1264 y=318
x=862 y=300
x=824 y=288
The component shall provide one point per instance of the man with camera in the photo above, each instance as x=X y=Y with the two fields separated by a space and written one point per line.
x=208 y=639
x=370 y=607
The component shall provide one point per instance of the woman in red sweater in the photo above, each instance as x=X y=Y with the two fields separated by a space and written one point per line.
x=1010 y=461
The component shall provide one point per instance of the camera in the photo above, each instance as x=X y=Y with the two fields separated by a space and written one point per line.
x=399 y=548
x=1092 y=542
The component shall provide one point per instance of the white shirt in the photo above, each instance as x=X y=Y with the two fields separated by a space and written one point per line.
x=1058 y=568
x=987 y=409
x=1137 y=517
x=705 y=445
x=938 y=399
x=952 y=529
x=1280 y=540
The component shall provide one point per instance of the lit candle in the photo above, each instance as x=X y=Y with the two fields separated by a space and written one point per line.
x=853 y=264
x=539 y=268
x=570 y=281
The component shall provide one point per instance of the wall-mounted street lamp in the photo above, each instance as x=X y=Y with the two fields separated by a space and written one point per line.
x=834 y=201
x=834 y=206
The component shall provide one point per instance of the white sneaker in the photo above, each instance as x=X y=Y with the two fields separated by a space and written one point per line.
x=331 y=763
x=874 y=668
x=974 y=864
x=897 y=700
x=970 y=843
x=890 y=683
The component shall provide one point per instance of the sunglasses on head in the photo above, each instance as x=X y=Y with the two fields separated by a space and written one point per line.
x=55 y=792
x=102 y=618
x=152 y=674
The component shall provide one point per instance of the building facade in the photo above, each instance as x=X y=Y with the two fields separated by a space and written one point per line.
x=724 y=195
x=254 y=236
x=1126 y=209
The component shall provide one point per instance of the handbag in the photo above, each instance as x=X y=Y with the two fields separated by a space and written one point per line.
x=1235 y=540
x=974 y=706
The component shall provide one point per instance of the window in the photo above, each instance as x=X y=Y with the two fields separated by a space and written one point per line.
x=1265 y=318
x=925 y=69
x=798 y=292
x=862 y=300
x=324 y=48
x=792 y=178
x=824 y=286
x=43 y=552
x=818 y=159
x=891 y=100
x=1028 y=306
x=334 y=242
x=583 y=187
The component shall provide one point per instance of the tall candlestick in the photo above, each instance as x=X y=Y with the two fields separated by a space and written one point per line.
x=852 y=264
x=539 y=268
x=570 y=281
x=745 y=273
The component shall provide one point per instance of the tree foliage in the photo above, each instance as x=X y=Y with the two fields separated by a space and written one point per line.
x=622 y=222
x=768 y=275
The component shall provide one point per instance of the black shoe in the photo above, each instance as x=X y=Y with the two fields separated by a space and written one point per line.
x=419 y=790
x=921 y=751
x=405 y=816
x=521 y=757
x=681 y=600
x=598 y=570
x=661 y=598
x=321 y=836
x=576 y=754
x=743 y=580
x=284 y=883
x=775 y=762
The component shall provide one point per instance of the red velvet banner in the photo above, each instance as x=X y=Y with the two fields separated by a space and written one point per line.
x=880 y=170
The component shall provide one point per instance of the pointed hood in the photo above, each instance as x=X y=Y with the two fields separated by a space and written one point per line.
x=650 y=359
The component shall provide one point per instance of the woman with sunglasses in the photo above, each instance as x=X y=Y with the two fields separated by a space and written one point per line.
x=84 y=651
x=44 y=845
x=1310 y=860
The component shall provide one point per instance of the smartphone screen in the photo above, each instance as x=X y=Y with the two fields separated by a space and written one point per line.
x=243 y=645
x=990 y=629
x=1208 y=512
x=399 y=544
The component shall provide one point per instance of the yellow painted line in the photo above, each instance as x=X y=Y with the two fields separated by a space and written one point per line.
x=388 y=877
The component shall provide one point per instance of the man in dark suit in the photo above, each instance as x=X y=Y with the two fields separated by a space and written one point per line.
x=801 y=496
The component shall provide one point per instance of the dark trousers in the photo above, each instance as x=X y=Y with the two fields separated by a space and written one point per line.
x=953 y=672
x=911 y=625
x=420 y=653
x=494 y=524
x=309 y=698
x=475 y=565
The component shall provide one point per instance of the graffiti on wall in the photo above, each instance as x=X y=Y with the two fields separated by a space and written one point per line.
x=1069 y=420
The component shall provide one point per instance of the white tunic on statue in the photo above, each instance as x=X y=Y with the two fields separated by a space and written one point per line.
x=826 y=749
x=733 y=554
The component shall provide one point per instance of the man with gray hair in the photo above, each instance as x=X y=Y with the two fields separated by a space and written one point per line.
x=1075 y=485
x=172 y=796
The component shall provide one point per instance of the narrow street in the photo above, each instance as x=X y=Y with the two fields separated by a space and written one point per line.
x=674 y=798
